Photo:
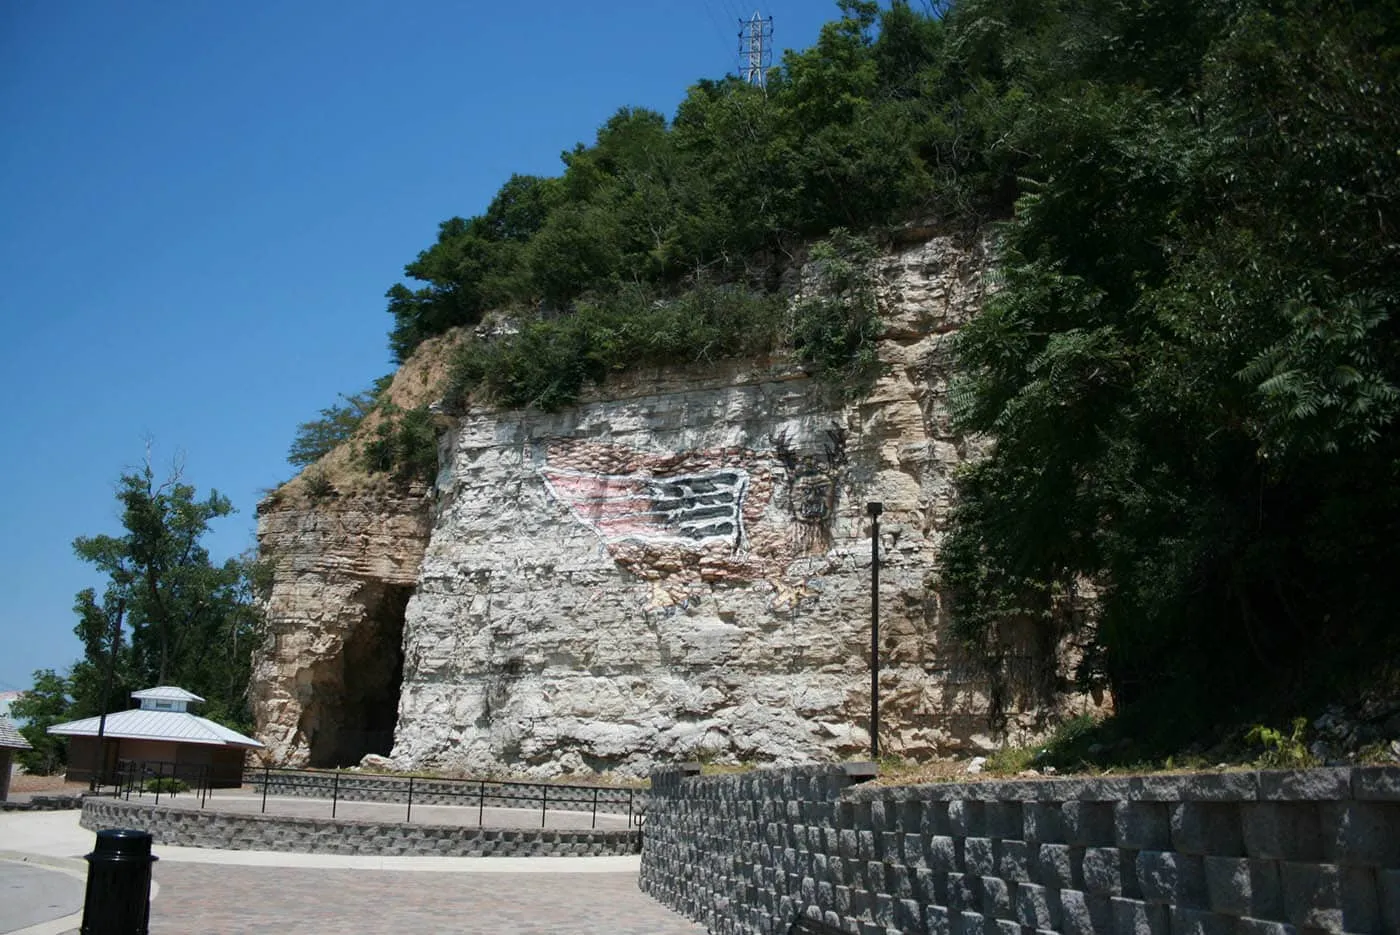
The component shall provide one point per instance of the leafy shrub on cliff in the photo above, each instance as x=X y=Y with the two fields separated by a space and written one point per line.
x=547 y=363
x=1190 y=367
x=316 y=438
x=404 y=445
x=835 y=329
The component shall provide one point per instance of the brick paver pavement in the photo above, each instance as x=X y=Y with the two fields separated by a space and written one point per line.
x=234 y=900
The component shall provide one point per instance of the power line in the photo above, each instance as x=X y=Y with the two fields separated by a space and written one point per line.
x=716 y=20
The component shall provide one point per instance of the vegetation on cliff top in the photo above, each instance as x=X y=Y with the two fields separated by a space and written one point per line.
x=1189 y=369
x=855 y=132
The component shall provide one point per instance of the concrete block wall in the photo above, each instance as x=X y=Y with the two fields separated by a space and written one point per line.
x=186 y=827
x=358 y=787
x=44 y=803
x=1239 y=853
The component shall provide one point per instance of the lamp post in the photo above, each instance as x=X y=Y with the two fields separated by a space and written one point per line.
x=874 y=508
x=100 y=765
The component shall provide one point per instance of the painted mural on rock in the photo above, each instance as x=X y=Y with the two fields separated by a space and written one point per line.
x=708 y=507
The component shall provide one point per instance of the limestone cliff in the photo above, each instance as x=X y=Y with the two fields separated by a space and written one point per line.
x=344 y=548
x=678 y=566
x=329 y=676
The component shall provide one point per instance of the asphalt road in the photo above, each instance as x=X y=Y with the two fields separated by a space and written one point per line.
x=32 y=893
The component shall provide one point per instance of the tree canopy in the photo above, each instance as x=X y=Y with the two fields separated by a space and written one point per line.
x=848 y=134
x=1190 y=369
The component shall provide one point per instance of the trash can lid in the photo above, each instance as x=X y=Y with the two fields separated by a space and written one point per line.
x=123 y=842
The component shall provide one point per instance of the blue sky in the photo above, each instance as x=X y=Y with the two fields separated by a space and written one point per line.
x=201 y=205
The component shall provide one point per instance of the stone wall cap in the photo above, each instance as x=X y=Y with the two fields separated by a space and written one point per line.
x=860 y=771
x=1370 y=783
x=1376 y=783
x=1307 y=785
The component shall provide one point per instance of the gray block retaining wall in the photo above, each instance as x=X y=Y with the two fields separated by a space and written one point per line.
x=196 y=828
x=357 y=787
x=1244 y=853
x=44 y=803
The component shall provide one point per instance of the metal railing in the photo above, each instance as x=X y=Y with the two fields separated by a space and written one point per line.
x=385 y=788
x=282 y=786
x=156 y=778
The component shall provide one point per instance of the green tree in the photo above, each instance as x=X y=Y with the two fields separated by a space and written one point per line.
x=190 y=621
x=403 y=445
x=1190 y=369
x=317 y=438
x=42 y=706
x=844 y=136
x=475 y=265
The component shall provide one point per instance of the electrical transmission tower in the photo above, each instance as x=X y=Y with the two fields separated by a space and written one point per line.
x=756 y=48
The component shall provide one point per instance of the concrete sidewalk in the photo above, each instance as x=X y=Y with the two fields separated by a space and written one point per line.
x=234 y=892
x=38 y=896
x=57 y=834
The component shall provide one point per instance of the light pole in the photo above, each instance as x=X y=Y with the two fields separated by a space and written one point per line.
x=100 y=766
x=874 y=508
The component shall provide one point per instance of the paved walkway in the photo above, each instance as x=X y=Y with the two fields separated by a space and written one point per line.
x=32 y=893
x=256 y=900
x=232 y=892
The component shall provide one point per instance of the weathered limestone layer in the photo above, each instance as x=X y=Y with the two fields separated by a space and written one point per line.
x=682 y=569
x=342 y=568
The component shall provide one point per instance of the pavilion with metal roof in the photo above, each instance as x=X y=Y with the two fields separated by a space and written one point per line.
x=10 y=741
x=161 y=731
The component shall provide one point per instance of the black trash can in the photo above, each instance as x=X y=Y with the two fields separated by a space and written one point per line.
x=118 y=900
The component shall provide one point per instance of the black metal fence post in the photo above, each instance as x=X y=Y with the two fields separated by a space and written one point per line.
x=629 y=808
x=595 y=808
x=544 y=804
x=874 y=508
x=409 y=816
x=267 y=776
x=481 y=805
x=335 y=792
x=118 y=897
x=160 y=771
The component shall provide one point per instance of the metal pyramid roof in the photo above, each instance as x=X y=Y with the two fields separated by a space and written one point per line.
x=10 y=737
x=165 y=693
x=142 y=724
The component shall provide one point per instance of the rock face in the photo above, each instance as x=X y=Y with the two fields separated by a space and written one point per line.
x=677 y=569
x=325 y=685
